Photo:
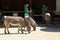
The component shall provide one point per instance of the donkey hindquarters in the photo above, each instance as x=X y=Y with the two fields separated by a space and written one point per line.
x=6 y=25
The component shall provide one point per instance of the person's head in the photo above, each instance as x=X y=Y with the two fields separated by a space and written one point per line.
x=26 y=5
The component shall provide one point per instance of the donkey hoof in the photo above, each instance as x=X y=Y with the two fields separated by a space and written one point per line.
x=5 y=32
x=8 y=32
x=29 y=32
x=22 y=32
x=18 y=31
x=34 y=29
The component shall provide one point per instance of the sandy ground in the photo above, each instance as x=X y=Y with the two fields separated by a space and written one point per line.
x=42 y=33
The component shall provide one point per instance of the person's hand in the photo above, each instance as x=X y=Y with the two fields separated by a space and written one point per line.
x=30 y=11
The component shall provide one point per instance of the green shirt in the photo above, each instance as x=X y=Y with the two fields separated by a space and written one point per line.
x=26 y=10
x=44 y=9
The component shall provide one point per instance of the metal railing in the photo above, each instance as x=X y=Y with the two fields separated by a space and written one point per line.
x=11 y=11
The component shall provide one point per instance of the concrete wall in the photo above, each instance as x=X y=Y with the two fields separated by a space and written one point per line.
x=58 y=5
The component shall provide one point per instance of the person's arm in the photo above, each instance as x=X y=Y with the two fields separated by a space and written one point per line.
x=30 y=10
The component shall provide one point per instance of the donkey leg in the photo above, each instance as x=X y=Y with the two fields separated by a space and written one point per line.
x=18 y=29
x=5 y=30
x=24 y=27
x=29 y=29
x=34 y=27
x=8 y=30
x=4 y=24
x=21 y=29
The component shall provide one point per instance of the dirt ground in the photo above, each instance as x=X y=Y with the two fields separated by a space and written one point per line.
x=42 y=33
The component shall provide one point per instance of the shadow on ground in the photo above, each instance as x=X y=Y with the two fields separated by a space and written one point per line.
x=13 y=33
x=50 y=29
